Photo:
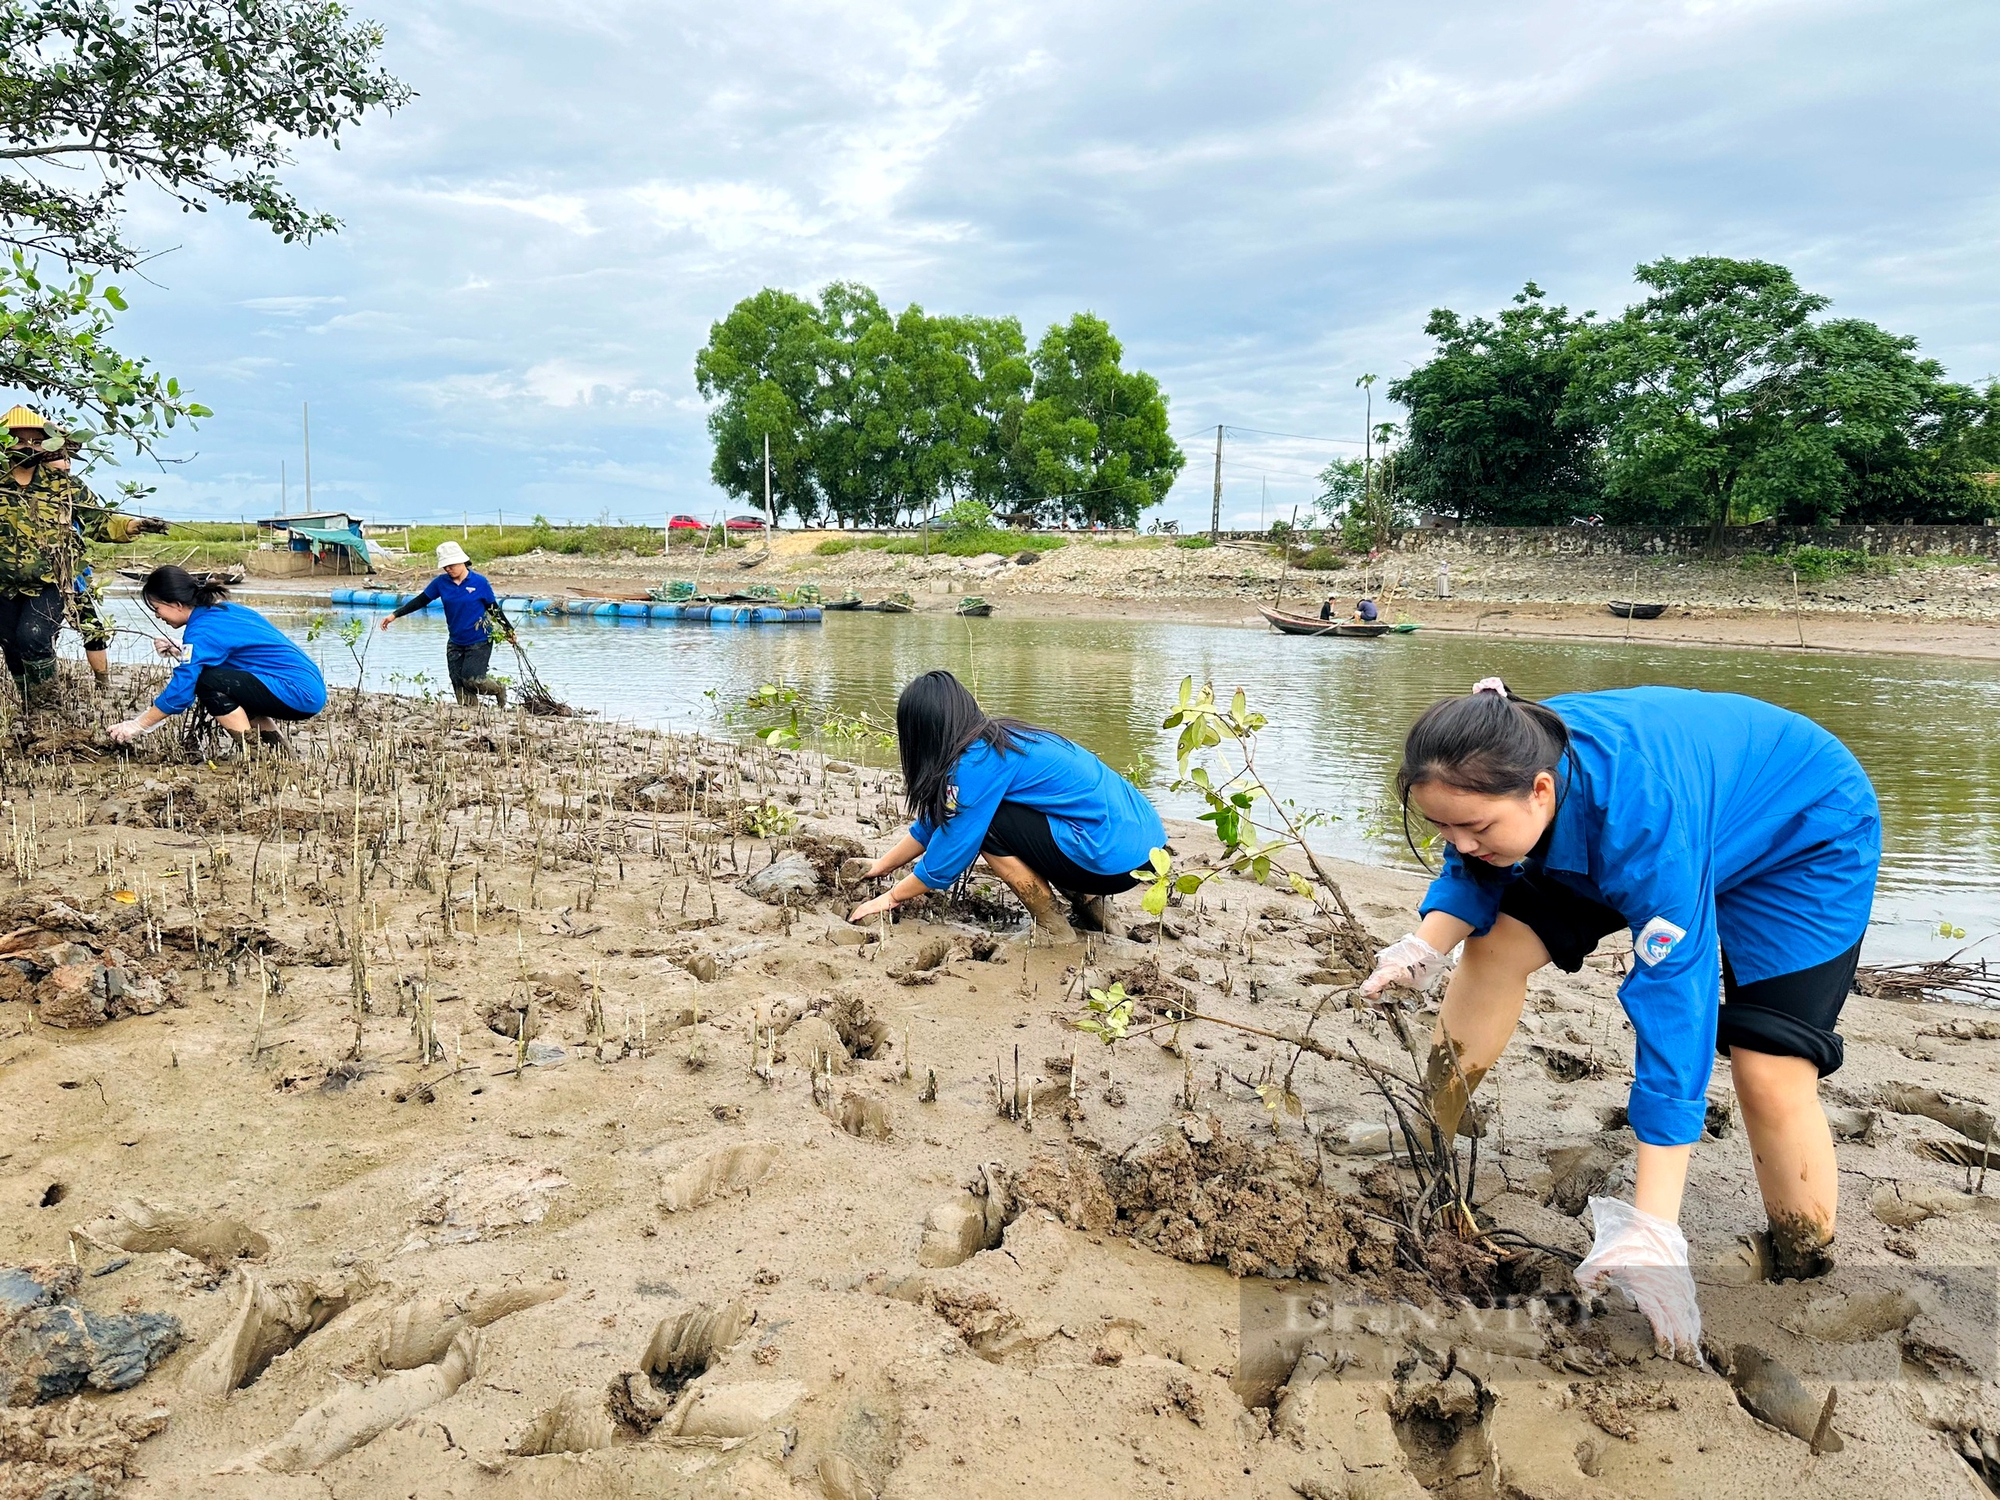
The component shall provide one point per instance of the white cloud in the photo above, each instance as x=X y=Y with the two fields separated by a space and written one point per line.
x=1264 y=203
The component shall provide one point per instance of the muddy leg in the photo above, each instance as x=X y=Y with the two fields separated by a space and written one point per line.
x=1482 y=1006
x=1793 y=1150
x=1035 y=894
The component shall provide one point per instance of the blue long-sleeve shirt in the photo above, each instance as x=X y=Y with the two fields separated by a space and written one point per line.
x=1097 y=817
x=1700 y=818
x=464 y=606
x=234 y=635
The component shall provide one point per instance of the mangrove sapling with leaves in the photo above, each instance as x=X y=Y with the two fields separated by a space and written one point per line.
x=1233 y=801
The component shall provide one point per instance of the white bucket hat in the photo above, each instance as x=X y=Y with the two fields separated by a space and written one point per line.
x=451 y=552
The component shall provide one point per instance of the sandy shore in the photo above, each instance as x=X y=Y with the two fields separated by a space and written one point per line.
x=621 y=1178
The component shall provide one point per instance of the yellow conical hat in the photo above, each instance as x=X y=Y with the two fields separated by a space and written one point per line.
x=20 y=416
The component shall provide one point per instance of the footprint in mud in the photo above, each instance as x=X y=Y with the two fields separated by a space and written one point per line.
x=1850 y=1319
x=864 y=1115
x=358 y=1414
x=680 y=1351
x=420 y=1331
x=271 y=1319
x=579 y=1422
x=147 y=1228
x=1441 y=1423
x=735 y=1168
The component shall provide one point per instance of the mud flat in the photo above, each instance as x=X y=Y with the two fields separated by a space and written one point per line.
x=501 y=1107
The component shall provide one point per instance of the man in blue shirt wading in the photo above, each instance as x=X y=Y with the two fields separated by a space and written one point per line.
x=467 y=598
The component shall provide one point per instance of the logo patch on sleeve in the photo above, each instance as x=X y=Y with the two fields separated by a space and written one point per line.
x=1656 y=940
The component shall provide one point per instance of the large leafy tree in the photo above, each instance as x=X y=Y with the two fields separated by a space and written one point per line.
x=200 y=99
x=1494 y=435
x=761 y=368
x=1094 y=438
x=877 y=417
x=1722 y=400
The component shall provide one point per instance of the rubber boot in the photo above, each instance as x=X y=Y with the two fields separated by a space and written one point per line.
x=38 y=686
x=467 y=698
x=493 y=688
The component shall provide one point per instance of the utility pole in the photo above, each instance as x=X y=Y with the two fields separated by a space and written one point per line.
x=1367 y=384
x=284 y=491
x=305 y=421
x=1215 y=513
x=770 y=515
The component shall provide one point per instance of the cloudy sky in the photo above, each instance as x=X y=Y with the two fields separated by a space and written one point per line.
x=1263 y=201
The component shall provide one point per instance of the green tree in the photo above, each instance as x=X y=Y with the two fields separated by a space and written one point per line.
x=1093 y=439
x=201 y=99
x=1692 y=385
x=761 y=367
x=1723 y=401
x=1494 y=435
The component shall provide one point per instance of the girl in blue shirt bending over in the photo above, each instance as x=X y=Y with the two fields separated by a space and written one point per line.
x=1047 y=814
x=238 y=664
x=1739 y=843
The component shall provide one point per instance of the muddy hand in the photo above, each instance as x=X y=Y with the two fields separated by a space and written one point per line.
x=882 y=903
x=1647 y=1259
x=1409 y=963
x=1449 y=1088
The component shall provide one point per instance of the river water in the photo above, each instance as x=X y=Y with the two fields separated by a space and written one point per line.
x=1925 y=728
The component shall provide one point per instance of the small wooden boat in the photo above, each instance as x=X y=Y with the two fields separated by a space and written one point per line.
x=1313 y=625
x=895 y=604
x=229 y=577
x=852 y=601
x=974 y=608
x=1627 y=611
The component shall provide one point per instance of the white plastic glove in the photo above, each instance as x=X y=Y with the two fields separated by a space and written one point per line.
x=1409 y=963
x=128 y=730
x=1647 y=1259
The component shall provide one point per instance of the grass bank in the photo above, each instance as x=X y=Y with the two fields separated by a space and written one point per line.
x=948 y=543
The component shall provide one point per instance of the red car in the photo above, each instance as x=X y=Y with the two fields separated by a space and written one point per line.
x=683 y=523
x=746 y=523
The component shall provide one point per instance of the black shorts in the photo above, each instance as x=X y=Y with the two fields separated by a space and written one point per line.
x=1023 y=832
x=1787 y=1015
x=223 y=690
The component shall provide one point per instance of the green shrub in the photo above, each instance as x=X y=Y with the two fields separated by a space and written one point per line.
x=833 y=546
x=1195 y=543
x=1322 y=560
x=971 y=543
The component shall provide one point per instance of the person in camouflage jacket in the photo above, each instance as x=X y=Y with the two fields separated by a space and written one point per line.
x=46 y=515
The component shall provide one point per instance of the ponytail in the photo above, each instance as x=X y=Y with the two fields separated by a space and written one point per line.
x=168 y=584
x=1489 y=742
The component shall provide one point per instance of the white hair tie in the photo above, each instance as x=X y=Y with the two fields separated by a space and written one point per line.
x=1490 y=685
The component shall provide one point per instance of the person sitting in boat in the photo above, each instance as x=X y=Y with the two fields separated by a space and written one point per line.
x=1739 y=843
x=469 y=608
x=1326 y=609
x=240 y=666
x=1365 y=612
x=1046 y=813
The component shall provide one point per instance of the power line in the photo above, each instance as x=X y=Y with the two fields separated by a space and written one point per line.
x=1299 y=436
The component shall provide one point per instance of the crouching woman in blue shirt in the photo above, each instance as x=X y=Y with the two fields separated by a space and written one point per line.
x=1047 y=814
x=1739 y=843
x=238 y=664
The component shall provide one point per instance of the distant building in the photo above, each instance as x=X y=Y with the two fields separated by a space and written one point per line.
x=310 y=543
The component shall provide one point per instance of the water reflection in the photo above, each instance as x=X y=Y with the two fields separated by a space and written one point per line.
x=1923 y=727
